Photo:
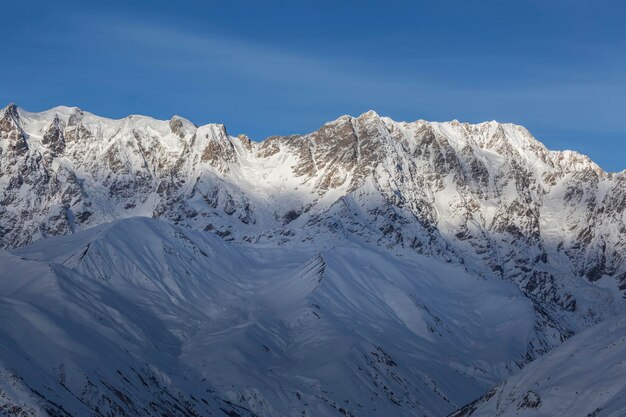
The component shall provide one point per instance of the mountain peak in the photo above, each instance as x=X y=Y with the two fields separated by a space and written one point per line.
x=68 y=110
x=183 y=120
x=370 y=114
x=11 y=110
x=181 y=126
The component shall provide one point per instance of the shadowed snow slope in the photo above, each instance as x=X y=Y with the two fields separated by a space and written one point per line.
x=585 y=376
x=141 y=317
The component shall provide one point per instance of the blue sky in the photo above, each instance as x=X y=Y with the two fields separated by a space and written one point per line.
x=268 y=68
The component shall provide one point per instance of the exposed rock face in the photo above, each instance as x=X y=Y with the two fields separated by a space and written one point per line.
x=53 y=137
x=488 y=195
x=11 y=132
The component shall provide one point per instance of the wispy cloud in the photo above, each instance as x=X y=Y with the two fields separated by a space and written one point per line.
x=188 y=51
x=286 y=87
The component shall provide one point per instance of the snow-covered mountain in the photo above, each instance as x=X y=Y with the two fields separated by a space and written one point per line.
x=105 y=320
x=487 y=195
x=139 y=317
x=428 y=261
x=585 y=376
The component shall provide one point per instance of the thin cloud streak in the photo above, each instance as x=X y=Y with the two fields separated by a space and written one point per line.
x=263 y=88
x=194 y=52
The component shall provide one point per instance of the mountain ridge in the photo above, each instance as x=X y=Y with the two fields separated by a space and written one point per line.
x=369 y=218
x=176 y=170
x=69 y=110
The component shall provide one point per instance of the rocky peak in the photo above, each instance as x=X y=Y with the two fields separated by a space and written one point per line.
x=341 y=153
x=218 y=149
x=75 y=129
x=245 y=141
x=181 y=126
x=369 y=115
x=11 y=111
x=53 y=136
x=76 y=116
x=10 y=118
x=11 y=130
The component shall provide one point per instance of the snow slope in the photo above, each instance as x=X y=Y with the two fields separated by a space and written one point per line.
x=585 y=376
x=139 y=316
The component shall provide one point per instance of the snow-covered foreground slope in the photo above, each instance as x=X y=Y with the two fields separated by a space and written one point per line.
x=139 y=317
x=585 y=376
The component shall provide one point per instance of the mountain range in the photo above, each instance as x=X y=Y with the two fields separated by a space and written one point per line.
x=371 y=267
